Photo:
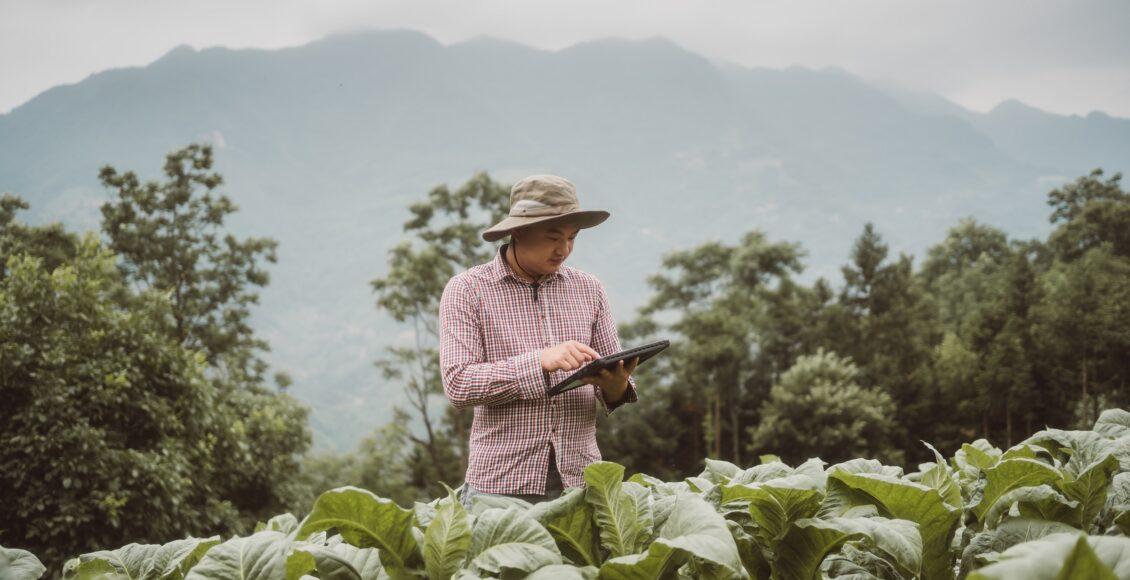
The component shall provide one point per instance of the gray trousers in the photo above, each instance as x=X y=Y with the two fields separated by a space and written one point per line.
x=553 y=488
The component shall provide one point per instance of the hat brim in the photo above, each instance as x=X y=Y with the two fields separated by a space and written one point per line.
x=583 y=219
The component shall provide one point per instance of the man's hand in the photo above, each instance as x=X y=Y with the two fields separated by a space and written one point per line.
x=567 y=356
x=613 y=382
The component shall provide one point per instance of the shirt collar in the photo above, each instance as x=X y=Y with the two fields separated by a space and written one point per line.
x=501 y=269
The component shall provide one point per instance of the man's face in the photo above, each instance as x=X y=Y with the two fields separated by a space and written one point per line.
x=545 y=247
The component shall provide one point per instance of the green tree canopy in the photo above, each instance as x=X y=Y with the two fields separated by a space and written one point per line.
x=171 y=238
x=819 y=409
x=109 y=426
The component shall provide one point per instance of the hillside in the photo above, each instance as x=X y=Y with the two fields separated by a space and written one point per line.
x=324 y=145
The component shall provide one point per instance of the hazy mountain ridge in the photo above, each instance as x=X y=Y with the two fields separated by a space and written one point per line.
x=324 y=145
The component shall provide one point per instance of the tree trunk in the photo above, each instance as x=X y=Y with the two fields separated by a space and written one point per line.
x=717 y=452
x=1008 y=420
x=735 y=428
x=1085 y=402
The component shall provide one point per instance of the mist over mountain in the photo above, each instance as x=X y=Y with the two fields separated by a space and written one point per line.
x=323 y=147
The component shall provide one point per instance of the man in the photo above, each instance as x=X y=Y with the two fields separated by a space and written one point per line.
x=512 y=328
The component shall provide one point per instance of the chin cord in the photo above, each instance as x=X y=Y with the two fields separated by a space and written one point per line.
x=536 y=284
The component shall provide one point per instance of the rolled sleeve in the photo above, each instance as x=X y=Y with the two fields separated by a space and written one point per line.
x=468 y=379
x=606 y=341
x=629 y=397
x=531 y=379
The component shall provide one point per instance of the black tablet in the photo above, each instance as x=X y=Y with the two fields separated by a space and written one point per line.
x=644 y=352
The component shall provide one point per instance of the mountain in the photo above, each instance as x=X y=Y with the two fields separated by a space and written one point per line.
x=324 y=145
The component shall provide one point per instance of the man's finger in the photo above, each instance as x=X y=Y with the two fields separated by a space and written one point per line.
x=572 y=351
x=588 y=349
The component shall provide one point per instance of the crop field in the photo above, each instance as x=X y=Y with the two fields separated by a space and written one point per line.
x=1056 y=505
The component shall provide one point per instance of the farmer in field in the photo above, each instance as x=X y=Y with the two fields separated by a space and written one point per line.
x=514 y=327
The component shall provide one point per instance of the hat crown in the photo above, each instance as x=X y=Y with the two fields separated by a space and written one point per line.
x=543 y=195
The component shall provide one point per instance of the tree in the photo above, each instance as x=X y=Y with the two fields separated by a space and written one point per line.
x=444 y=238
x=818 y=409
x=1090 y=212
x=1083 y=325
x=171 y=238
x=51 y=243
x=110 y=430
x=715 y=292
x=956 y=271
x=891 y=332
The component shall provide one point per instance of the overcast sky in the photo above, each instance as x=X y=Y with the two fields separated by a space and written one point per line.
x=1061 y=56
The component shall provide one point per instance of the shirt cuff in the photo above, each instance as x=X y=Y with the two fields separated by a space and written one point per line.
x=629 y=396
x=532 y=382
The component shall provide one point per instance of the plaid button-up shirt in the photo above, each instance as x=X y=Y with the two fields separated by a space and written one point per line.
x=492 y=331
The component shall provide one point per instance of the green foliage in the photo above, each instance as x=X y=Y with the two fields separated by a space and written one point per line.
x=990 y=338
x=51 y=243
x=1093 y=213
x=818 y=407
x=719 y=293
x=106 y=416
x=135 y=407
x=855 y=519
x=171 y=239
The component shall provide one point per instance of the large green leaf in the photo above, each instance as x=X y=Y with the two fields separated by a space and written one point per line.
x=569 y=520
x=262 y=555
x=718 y=471
x=980 y=454
x=613 y=510
x=130 y=561
x=645 y=512
x=172 y=561
x=866 y=466
x=512 y=525
x=508 y=559
x=942 y=479
x=368 y=521
x=144 y=561
x=344 y=562
x=806 y=545
x=447 y=539
x=483 y=502
x=1012 y=474
x=564 y=572
x=937 y=521
x=285 y=523
x=753 y=559
x=1009 y=533
x=16 y=564
x=509 y=539
x=897 y=539
x=762 y=473
x=659 y=561
x=1073 y=451
x=1066 y=555
x=693 y=530
x=1037 y=502
x=776 y=504
x=1090 y=488
x=1113 y=423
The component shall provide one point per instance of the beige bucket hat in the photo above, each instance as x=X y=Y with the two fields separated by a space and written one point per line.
x=542 y=198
